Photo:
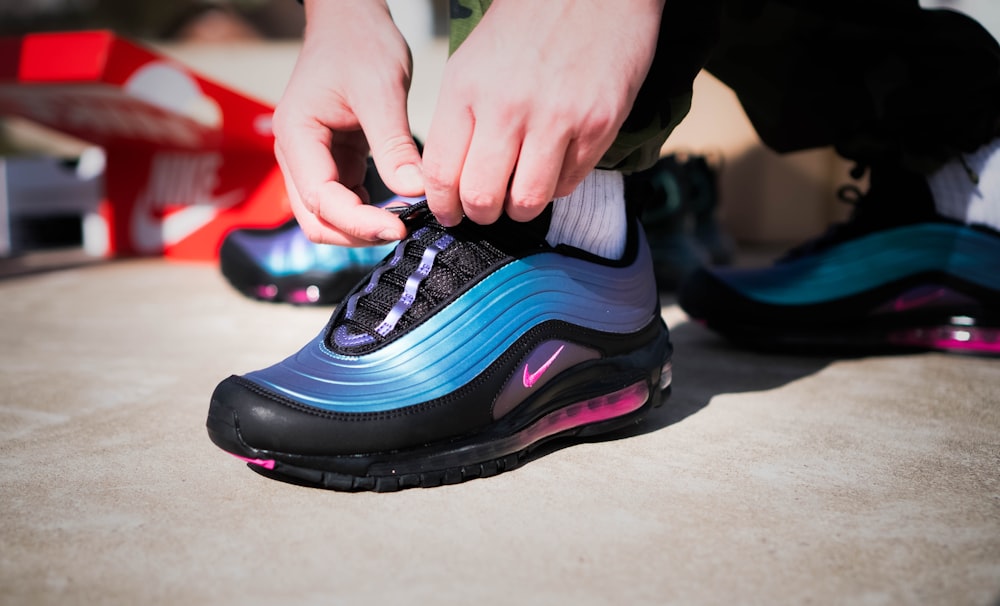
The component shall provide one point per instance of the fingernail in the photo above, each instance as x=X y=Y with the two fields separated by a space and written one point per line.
x=448 y=220
x=388 y=235
x=410 y=177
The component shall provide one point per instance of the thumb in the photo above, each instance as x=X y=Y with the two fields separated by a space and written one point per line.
x=397 y=159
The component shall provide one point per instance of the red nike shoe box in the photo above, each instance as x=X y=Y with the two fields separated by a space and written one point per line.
x=187 y=159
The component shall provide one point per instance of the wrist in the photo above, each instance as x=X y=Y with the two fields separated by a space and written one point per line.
x=326 y=13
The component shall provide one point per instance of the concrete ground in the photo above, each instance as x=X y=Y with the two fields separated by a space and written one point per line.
x=765 y=480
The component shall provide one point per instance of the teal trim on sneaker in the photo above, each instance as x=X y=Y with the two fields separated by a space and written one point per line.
x=867 y=262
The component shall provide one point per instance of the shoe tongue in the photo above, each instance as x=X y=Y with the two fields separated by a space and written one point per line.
x=896 y=197
x=428 y=268
x=506 y=234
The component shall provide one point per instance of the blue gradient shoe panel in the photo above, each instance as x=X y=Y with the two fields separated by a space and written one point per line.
x=459 y=342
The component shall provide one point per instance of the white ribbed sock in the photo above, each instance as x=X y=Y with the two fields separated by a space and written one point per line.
x=956 y=194
x=592 y=218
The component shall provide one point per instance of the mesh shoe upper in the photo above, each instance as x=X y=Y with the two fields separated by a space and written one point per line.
x=425 y=270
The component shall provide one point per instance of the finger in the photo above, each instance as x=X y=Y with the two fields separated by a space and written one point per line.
x=538 y=169
x=302 y=149
x=487 y=171
x=338 y=216
x=320 y=231
x=357 y=221
x=582 y=155
x=315 y=229
x=394 y=151
x=444 y=154
x=354 y=220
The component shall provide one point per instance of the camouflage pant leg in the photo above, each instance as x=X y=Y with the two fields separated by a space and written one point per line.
x=465 y=15
x=687 y=33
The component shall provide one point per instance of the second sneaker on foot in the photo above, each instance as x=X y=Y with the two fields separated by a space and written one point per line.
x=282 y=265
x=896 y=277
x=679 y=197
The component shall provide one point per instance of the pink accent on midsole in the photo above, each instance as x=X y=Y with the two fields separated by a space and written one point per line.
x=267 y=291
x=265 y=463
x=972 y=339
x=598 y=409
x=304 y=295
x=992 y=348
x=594 y=410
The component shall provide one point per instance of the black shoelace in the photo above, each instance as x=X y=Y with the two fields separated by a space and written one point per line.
x=425 y=269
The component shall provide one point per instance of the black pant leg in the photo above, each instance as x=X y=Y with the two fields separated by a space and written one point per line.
x=883 y=81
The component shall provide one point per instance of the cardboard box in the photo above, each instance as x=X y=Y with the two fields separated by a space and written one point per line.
x=187 y=159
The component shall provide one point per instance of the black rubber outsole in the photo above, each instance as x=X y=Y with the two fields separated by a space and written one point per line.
x=413 y=468
x=303 y=289
x=855 y=341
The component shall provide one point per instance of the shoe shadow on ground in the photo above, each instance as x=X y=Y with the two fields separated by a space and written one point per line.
x=704 y=366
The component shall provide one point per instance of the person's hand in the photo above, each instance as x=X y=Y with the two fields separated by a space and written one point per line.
x=347 y=92
x=531 y=101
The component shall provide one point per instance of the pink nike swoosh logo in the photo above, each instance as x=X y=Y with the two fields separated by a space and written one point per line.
x=530 y=378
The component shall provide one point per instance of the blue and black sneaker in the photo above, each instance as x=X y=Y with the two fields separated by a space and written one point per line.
x=896 y=277
x=281 y=264
x=455 y=358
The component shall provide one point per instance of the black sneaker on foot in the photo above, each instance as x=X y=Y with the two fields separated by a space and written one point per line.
x=459 y=355
x=895 y=277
